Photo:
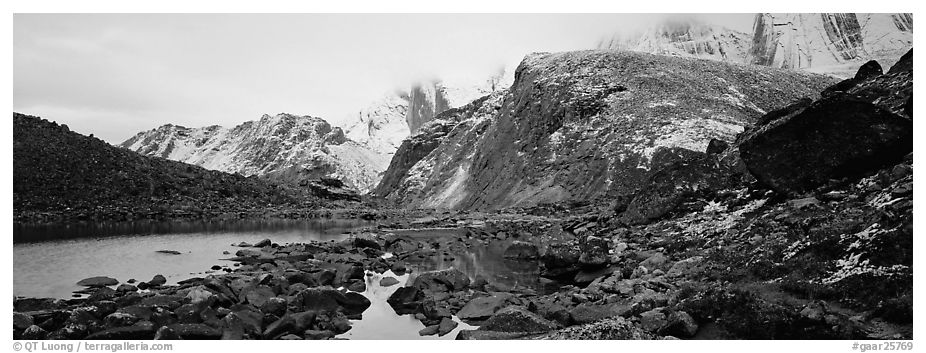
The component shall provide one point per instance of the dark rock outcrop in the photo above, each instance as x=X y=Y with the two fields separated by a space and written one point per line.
x=845 y=134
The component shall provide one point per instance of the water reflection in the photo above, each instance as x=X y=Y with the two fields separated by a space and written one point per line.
x=487 y=262
x=51 y=268
x=380 y=321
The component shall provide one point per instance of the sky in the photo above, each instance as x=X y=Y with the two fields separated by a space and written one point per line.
x=114 y=75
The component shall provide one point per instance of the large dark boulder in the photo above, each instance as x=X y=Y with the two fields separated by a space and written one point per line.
x=838 y=136
x=322 y=300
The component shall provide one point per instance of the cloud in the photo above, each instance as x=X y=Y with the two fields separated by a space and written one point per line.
x=117 y=74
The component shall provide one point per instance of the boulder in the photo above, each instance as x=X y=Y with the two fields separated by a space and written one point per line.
x=125 y=288
x=322 y=300
x=521 y=250
x=22 y=321
x=653 y=320
x=472 y=335
x=34 y=332
x=446 y=325
x=166 y=334
x=318 y=334
x=357 y=286
x=836 y=137
x=157 y=280
x=869 y=70
x=274 y=306
x=449 y=280
x=262 y=243
x=716 y=147
x=142 y=331
x=98 y=281
x=560 y=258
x=685 y=267
x=196 y=331
x=388 y=281
x=249 y=253
x=405 y=300
x=680 y=324
x=257 y=295
x=517 y=319
x=483 y=307
x=594 y=252
x=429 y=330
x=120 y=319
x=588 y=313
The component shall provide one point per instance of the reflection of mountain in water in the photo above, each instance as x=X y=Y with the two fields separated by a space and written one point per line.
x=487 y=262
x=327 y=228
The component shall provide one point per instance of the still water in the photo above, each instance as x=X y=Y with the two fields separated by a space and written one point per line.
x=49 y=260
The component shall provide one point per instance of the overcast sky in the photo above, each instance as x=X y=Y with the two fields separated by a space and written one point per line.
x=114 y=75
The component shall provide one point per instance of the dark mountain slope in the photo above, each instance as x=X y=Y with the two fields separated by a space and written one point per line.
x=59 y=173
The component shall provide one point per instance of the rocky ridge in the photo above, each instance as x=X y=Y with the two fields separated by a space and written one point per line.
x=284 y=147
x=582 y=125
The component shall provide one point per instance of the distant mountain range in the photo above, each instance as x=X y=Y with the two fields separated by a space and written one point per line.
x=828 y=43
x=295 y=148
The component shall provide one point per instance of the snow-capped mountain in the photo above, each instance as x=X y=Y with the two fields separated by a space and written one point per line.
x=383 y=125
x=686 y=37
x=281 y=146
x=835 y=44
x=830 y=42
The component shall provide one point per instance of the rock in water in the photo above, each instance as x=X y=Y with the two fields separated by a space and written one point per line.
x=98 y=281
x=449 y=280
x=835 y=137
x=429 y=330
x=405 y=300
x=157 y=280
x=446 y=325
x=262 y=243
x=388 y=281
